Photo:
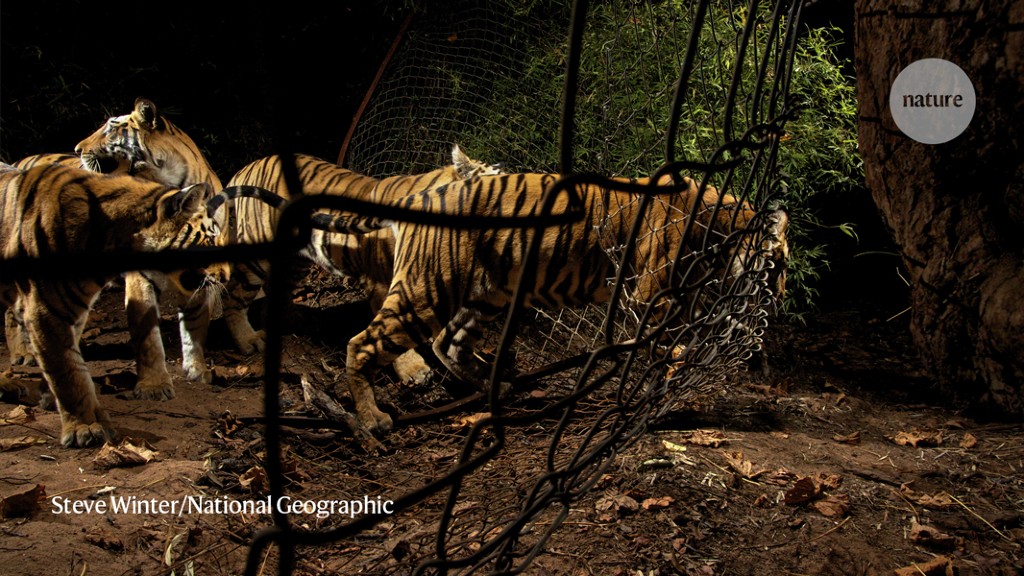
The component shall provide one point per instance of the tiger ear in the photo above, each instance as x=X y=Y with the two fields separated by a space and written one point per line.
x=187 y=201
x=145 y=113
x=463 y=164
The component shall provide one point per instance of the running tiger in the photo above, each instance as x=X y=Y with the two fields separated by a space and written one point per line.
x=146 y=144
x=56 y=210
x=366 y=258
x=447 y=281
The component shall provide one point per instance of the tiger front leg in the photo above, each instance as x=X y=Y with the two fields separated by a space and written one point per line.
x=385 y=339
x=243 y=286
x=410 y=366
x=194 y=324
x=142 y=304
x=83 y=421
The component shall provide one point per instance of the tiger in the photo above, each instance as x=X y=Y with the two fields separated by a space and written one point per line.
x=145 y=144
x=53 y=209
x=364 y=258
x=446 y=281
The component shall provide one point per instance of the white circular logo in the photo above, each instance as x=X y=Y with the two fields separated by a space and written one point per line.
x=932 y=101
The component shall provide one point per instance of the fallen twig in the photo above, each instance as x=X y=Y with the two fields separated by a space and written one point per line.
x=978 y=516
x=319 y=400
x=831 y=530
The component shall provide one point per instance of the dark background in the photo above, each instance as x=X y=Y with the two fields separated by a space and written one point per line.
x=241 y=79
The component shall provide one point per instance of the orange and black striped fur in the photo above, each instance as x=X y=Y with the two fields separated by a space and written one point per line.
x=447 y=281
x=52 y=209
x=365 y=258
x=146 y=144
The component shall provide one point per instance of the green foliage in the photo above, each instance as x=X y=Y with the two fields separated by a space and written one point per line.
x=631 y=58
x=818 y=160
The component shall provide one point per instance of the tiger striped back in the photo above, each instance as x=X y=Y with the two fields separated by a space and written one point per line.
x=49 y=158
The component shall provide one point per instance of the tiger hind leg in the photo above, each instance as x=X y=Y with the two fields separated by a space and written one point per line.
x=455 y=348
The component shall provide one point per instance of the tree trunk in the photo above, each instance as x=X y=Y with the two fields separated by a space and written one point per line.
x=955 y=209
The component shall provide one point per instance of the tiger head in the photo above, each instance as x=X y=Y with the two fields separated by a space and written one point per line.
x=764 y=248
x=778 y=251
x=147 y=145
x=180 y=221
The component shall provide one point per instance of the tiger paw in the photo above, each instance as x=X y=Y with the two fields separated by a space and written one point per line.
x=472 y=372
x=374 y=420
x=410 y=367
x=76 y=433
x=198 y=373
x=23 y=359
x=154 y=389
x=11 y=390
x=256 y=342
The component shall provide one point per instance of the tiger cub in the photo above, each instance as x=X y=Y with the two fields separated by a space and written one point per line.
x=365 y=258
x=147 y=145
x=448 y=281
x=52 y=209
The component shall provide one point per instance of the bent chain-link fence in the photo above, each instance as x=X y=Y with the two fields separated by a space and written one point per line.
x=613 y=88
x=698 y=89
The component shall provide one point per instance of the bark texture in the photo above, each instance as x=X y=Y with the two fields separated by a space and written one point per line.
x=955 y=209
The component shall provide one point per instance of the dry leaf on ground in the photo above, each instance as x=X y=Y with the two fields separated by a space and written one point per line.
x=851 y=438
x=918 y=438
x=128 y=453
x=744 y=467
x=802 y=492
x=611 y=506
x=657 y=503
x=938 y=566
x=833 y=506
x=931 y=537
x=934 y=501
x=19 y=415
x=9 y=444
x=254 y=479
x=470 y=420
x=968 y=441
x=710 y=438
x=22 y=503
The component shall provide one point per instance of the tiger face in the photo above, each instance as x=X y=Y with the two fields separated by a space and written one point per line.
x=181 y=223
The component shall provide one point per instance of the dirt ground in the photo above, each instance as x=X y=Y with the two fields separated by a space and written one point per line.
x=834 y=458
